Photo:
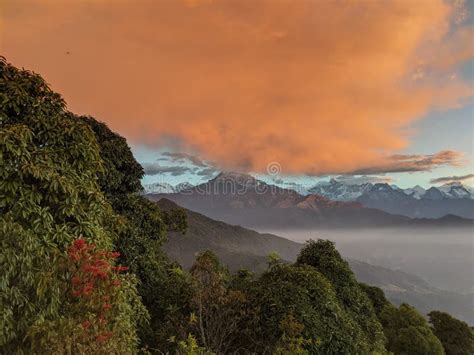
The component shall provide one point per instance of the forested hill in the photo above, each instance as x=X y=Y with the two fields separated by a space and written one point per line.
x=241 y=248
x=84 y=272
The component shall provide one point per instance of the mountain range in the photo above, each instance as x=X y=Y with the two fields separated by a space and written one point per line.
x=243 y=200
x=416 y=202
x=342 y=191
x=241 y=248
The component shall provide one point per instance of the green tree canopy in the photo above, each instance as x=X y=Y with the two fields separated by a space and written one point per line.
x=455 y=335
x=323 y=256
x=376 y=296
x=305 y=295
x=49 y=197
x=408 y=333
x=141 y=231
x=121 y=173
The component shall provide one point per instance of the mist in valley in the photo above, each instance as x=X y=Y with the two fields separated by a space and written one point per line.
x=444 y=257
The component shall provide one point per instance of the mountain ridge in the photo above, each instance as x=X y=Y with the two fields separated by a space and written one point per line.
x=244 y=200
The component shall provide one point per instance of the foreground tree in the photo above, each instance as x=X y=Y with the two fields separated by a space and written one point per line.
x=164 y=287
x=455 y=335
x=323 y=256
x=49 y=196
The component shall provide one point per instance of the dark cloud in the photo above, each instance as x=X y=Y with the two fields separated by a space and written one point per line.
x=183 y=157
x=451 y=178
x=157 y=169
x=207 y=173
x=412 y=163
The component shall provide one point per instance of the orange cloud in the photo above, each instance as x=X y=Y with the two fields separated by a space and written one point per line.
x=318 y=86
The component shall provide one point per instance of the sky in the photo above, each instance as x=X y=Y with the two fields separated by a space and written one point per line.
x=294 y=91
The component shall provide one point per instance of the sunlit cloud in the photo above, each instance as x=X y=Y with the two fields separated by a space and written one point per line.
x=322 y=87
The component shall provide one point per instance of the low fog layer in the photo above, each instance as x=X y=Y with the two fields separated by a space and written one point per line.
x=443 y=257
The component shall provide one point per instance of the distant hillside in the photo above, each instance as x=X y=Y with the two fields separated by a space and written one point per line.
x=236 y=246
x=239 y=248
x=241 y=199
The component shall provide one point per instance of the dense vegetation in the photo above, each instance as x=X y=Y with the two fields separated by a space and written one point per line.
x=83 y=269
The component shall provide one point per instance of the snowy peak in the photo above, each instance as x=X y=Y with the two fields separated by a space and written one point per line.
x=165 y=188
x=455 y=190
x=159 y=188
x=415 y=192
x=339 y=191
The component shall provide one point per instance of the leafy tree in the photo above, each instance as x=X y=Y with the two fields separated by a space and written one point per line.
x=48 y=197
x=408 y=332
x=218 y=311
x=455 y=335
x=305 y=296
x=291 y=341
x=376 y=296
x=121 y=173
x=323 y=256
x=164 y=287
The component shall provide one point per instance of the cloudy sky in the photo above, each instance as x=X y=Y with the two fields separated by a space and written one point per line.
x=381 y=91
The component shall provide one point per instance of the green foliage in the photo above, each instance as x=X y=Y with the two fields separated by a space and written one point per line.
x=376 y=296
x=121 y=173
x=307 y=296
x=218 y=311
x=189 y=346
x=408 y=332
x=455 y=335
x=164 y=287
x=292 y=341
x=48 y=196
x=323 y=256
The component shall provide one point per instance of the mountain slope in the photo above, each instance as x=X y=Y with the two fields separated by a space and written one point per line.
x=239 y=248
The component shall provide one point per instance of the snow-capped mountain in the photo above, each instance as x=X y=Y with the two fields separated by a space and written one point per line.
x=456 y=190
x=342 y=191
x=159 y=188
x=165 y=188
x=339 y=191
x=435 y=202
x=415 y=192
